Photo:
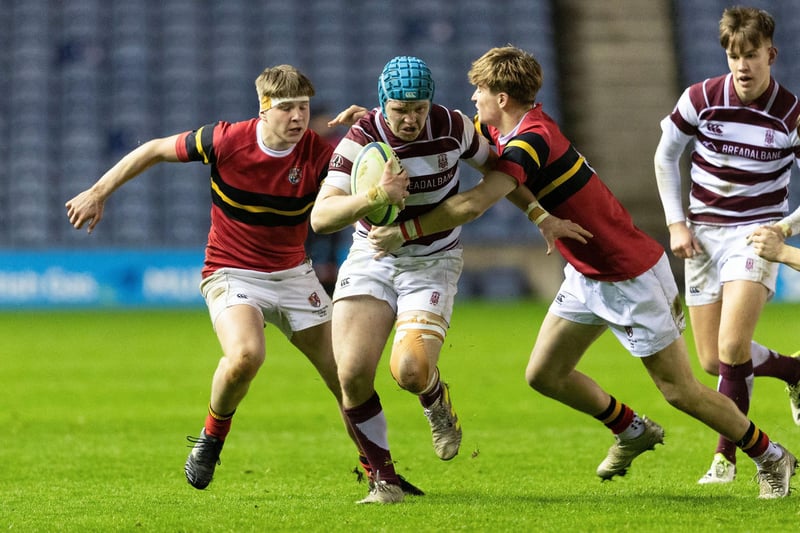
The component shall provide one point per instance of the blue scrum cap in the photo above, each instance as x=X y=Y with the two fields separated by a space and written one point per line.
x=405 y=78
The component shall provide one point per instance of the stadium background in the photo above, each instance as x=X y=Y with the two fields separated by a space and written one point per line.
x=85 y=81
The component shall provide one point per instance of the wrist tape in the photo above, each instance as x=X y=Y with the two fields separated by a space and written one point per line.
x=536 y=213
x=411 y=229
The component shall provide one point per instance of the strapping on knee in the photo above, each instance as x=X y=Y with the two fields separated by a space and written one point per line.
x=417 y=342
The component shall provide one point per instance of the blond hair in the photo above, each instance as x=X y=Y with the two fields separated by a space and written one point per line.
x=283 y=81
x=741 y=27
x=509 y=70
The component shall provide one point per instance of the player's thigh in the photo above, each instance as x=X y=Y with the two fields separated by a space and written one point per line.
x=559 y=347
x=240 y=330
x=360 y=328
x=315 y=343
x=428 y=284
x=670 y=370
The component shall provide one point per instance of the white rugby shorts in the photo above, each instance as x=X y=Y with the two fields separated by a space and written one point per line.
x=726 y=257
x=406 y=283
x=644 y=313
x=292 y=300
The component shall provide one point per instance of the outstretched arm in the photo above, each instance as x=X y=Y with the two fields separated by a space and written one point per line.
x=469 y=205
x=551 y=227
x=87 y=207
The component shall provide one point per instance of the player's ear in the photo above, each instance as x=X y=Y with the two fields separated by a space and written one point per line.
x=773 y=54
x=502 y=99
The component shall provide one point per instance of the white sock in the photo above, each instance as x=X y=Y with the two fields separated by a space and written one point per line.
x=433 y=382
x=773 y=453
x=634 y=430
x=760 y=353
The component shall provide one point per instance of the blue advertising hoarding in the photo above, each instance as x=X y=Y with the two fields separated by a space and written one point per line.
x=100 y=278
x=120 y=278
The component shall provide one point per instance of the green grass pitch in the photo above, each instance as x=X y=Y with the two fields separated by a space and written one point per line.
x=96 y=407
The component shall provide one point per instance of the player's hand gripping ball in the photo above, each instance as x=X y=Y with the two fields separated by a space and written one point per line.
x=367 y=172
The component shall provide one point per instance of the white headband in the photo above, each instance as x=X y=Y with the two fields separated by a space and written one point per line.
x=267 y=102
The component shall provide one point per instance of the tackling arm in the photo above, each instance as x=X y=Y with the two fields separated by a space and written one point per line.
x=790 y=225
x=767 y=241
x=467 y=206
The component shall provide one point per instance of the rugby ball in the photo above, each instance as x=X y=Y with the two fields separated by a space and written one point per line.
x=367 y=172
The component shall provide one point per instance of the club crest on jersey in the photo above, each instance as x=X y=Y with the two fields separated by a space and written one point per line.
x=337 y=161
x=294 y=175
x=435 y=298
x=314 y=300
x=769 y=137
x=748 y=265
x=443 y=162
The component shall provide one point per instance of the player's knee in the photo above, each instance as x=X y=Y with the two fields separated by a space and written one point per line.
x=673 y=396
x=709 y=361
x=417 y=343
x=537 y=381
x=532 y=377
x=547 y=381
x=681 y=401
x=357 y=387
x=243 y=361
x=739 y=351
x=710 y=367
x=356 y=375
x=410 y=370
x=683 y=395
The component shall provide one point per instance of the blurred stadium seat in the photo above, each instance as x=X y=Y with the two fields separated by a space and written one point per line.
x=87 y=80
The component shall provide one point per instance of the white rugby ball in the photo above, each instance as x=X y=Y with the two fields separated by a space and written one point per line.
x=367 y=172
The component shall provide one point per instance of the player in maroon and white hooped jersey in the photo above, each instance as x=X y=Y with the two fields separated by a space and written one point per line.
x=617 y=277
x=265 y=176
x=744 y=142
x=412 y=289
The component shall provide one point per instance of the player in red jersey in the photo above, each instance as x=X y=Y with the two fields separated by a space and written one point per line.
x=619 y=280
x=744 y=143
x=265 y=176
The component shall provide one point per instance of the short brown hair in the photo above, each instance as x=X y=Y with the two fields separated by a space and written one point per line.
x=283 y=81
x=508 y=70
x=743 y=26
